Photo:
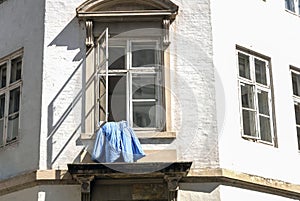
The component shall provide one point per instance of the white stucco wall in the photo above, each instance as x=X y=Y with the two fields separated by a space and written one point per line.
x=21 y=23
x=199 y=192
x=45 y=193
x=228 y=193
x=273 y=32
x=64 y=50
x=192 y=84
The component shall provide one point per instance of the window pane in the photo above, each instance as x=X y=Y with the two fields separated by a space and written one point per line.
x=144 y=54
x=244 y=67
x=116 y=57
x=298 y=137
x=296 y=84
x=14 y=100
x=1 y=132
x=249 y=123
x=16 y=66
x=117 y=98
x=260 y=72
x=263 y=102
x=3 y=75
x=289 y=4
x=144 y=114
x=265 y=129
x=13 y=127
x=144 y=86
x=297 y=114
x=2 y=105
x=247 y=96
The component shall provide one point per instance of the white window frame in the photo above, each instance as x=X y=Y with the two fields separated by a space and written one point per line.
x=257 y=87
x=296 y=101
x=6 y=92
x=129 y=71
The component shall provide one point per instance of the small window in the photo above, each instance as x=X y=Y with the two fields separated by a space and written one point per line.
x=255 y=97
x=296 y=95
x=10 y=94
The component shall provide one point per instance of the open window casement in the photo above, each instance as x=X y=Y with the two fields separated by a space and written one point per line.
x=102 y=77
x=128 y=63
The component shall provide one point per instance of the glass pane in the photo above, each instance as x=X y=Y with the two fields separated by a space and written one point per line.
x=1 y=132
x=3 y=75
x=144 y=114
x=2 y=105
x=102 y=99
x=247 y=96
x=289 y=4
x=297 y=114
x=117 y=98
x=102 y=50
x=144 y=54
x=244 y=67
x=260 y=72
x=117 y=58
x=265 y=129
x=249 y=123
x=13 y=127
x=16 y=69
x=14 y=100
x=263 y=103
x=296 y=84
x=144 y=86
x=298 y=137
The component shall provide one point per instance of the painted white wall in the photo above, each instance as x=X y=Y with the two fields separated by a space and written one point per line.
x=64 y=50
x=229 y=193
x=199 y=192
x=264 y=27
x=21 y=23
x=45 y=193
x=192 y=84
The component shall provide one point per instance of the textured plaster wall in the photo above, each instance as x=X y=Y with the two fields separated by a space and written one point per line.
x=21 y=23
x=236 y=25
x=45 y=193
x=192 y=84
x=64 y=50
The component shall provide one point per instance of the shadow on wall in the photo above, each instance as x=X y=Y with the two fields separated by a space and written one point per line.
x=71 y=37
x=67 y=103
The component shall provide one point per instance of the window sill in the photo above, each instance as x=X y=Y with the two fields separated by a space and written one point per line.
x=258 y=141
x=139 y=134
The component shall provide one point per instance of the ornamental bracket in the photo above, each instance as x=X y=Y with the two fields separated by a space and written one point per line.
x=89 y=41
x=173 y=187
x=85 y=182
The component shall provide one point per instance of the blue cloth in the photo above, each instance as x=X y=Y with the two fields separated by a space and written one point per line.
x=116 y=142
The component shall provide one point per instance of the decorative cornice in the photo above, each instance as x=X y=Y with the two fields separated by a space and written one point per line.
x=207 y=175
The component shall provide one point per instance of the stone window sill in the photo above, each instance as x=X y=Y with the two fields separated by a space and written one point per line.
x=139 y=134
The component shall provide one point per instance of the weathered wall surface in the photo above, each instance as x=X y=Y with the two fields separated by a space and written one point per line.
x=192 y=84
x=199 y=192
x=64 y=50
x=21 y=25
x=273 y=32
x=45 y=193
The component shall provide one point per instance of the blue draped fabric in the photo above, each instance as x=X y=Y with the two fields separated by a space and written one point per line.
x=116 y=142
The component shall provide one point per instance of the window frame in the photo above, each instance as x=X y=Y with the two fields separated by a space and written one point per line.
x=257 y=87
x=296 y=6
x=296 y=101
x=129 y=71
x=6 y=91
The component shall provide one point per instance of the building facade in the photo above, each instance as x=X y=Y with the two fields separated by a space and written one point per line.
x=210 y=88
